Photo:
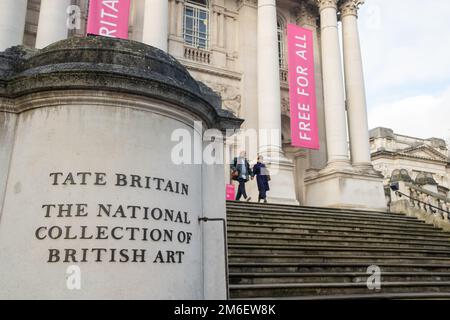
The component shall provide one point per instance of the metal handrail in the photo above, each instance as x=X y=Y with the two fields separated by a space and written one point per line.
x=225 y=247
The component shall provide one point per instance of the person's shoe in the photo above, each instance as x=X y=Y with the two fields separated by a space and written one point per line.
x=249 y=198
x=265 y=200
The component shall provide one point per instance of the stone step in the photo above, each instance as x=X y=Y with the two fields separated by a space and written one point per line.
x=247 y=267
x=330 y=242
x=313 y=249
x=321 y=213
x=313 y=289
x=281 y=251
x=318 y=210
x=233 y=226
x=336 y=224
x=323 y=216
x=336 y=277
x=232 y=234
x=317 y=227
x=300 y=258
x=373 y=296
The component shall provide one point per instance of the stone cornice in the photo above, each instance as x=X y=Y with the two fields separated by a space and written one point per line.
x=113 y=65
x=384 y=154
x=350 y=7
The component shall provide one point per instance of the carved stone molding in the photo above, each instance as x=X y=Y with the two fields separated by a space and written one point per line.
x=231 y=96
x=251 y=3
x=307 y=13
x=323 y=4
x=349 y=7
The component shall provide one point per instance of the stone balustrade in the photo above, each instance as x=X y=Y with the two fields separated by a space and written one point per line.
x=197 y=55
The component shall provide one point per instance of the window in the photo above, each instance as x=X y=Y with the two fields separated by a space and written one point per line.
x=196 y=23
x=281 y=45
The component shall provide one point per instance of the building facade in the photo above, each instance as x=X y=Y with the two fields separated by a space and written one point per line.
x=238 y=48
x=423 y=162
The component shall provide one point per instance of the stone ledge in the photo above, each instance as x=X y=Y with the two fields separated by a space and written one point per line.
x=101 y=63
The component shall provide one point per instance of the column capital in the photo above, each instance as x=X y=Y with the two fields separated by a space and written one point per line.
x=350 y=7
x=307 y=13
x=323 y=4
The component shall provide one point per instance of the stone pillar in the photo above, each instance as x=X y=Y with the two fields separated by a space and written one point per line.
x=52 y=25
x=269 y=99
x=339 y=185
x=269 y=106
x=247 y=12
x=333 y=85
x=156 y=23
x=354 y=82
x=12 y=22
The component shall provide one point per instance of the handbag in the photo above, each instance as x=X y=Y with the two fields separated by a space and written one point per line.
x=234 y=174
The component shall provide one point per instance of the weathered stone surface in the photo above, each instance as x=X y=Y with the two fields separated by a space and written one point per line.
x=101 y=63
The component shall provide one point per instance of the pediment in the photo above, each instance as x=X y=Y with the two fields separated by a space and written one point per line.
x=424 y=152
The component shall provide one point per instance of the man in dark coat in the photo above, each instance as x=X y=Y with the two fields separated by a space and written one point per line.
x=244 y=172
x=262 y=178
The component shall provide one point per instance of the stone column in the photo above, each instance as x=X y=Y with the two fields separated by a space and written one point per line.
x=335 y=117
x=269 y=100
x=269 y=106
x=52 y=25
x=12 y=22
x=156 y=23
x=354 y=83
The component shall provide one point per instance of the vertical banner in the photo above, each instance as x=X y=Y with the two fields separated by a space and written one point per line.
x=302 y=88
x=109 y=18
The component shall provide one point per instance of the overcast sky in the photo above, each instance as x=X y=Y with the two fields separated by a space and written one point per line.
x=406 y=53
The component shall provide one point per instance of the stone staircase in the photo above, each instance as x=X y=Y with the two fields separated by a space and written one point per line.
x=292 y=252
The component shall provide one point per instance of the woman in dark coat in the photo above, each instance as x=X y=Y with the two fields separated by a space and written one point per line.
x=262 y=178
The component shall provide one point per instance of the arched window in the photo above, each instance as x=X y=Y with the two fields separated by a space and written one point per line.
x=281 y=44
x=196 y=23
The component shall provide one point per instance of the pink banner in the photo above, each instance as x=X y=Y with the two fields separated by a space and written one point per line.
x=302 y=88
x=109 y=18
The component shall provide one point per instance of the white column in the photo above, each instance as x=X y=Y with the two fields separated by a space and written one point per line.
x=52 y=25
x=269 y=105
x=156 y=23
x=12 y=22
x=354 y=83
x=333 y=86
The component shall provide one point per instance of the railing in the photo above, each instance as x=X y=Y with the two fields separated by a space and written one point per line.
x=197 y=55
x=426 y=201
x=225 y=248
